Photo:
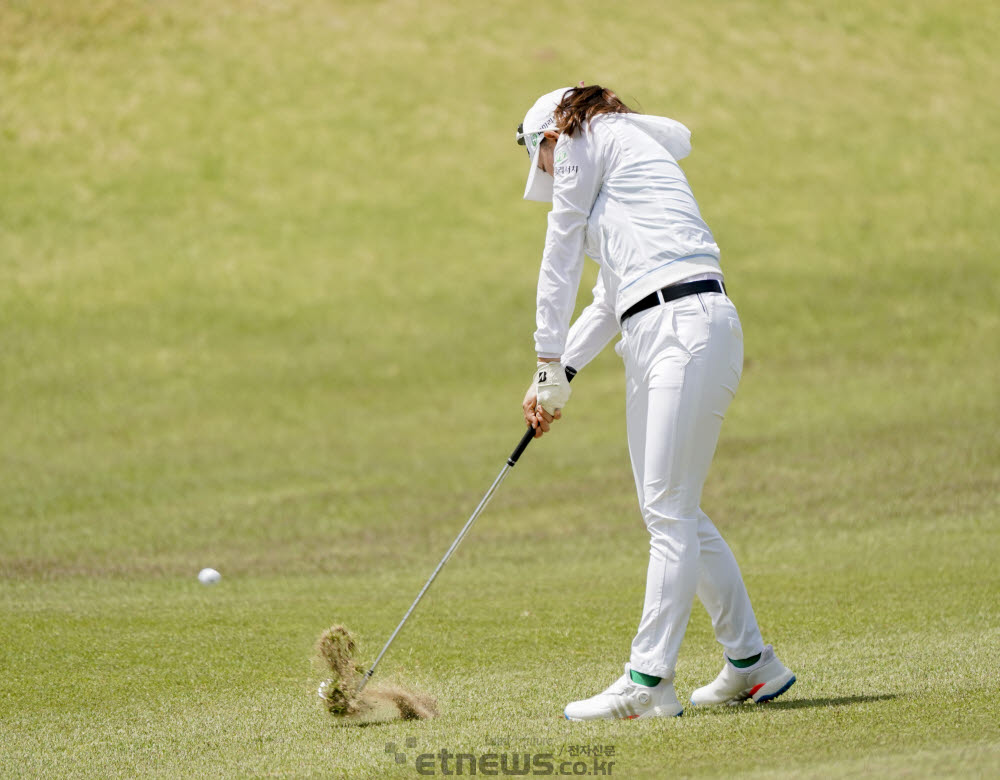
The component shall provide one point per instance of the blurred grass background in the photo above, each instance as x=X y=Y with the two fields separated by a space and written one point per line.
x=266 y=303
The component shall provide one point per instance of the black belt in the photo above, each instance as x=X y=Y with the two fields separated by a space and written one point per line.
x=672 y=293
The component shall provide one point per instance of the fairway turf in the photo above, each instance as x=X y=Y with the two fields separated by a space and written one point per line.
x=266 y=303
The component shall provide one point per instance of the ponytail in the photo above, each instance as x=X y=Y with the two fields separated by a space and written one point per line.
x=581 y=104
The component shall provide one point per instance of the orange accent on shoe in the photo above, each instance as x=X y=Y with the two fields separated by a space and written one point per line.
x=756 y=688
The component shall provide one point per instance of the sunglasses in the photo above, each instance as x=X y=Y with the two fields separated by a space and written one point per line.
x=528 y=140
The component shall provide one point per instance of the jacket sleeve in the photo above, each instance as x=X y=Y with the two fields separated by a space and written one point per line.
x=579 y=171
x=593 y=329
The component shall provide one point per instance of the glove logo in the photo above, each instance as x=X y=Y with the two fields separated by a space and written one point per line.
x=542 y=376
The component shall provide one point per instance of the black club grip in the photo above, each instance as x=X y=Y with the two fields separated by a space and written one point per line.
x=530 y=433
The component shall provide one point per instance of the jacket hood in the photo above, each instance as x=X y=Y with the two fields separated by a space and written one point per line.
x=669 y=133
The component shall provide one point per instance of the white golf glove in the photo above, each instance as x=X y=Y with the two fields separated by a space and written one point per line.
x=551 y=386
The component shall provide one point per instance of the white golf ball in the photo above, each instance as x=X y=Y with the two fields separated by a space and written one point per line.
x=209 y=576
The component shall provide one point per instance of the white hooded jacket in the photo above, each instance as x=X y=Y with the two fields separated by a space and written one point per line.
x=620 y=197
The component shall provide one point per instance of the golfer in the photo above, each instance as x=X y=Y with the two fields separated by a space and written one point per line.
x=619 y=196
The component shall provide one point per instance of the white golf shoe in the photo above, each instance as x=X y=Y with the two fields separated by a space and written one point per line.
x=626 y=699
x=765 y=680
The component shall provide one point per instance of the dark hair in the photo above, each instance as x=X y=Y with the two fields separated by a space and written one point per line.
x=581 y=104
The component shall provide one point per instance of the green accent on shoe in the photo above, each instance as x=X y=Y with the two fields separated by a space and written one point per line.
x=745 y=662
x=644 y=679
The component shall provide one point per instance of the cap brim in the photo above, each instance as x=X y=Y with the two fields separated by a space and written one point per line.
x=539 y=186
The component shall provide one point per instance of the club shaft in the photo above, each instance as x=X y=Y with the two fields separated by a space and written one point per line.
x=454 y=546
x=511 y=462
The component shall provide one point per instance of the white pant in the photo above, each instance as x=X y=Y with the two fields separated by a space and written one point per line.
x=683 y=362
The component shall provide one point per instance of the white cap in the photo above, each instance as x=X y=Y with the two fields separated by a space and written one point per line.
x=540 y=117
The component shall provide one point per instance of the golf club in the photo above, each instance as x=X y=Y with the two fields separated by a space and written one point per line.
x=511 y=462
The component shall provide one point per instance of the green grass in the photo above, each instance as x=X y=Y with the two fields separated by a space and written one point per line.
x=266 y=291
